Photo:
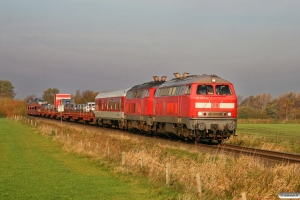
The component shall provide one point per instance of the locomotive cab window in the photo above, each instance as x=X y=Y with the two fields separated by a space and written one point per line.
x=205 y=90
x=223 y=90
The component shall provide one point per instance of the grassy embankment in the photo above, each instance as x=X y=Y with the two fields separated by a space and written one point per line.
x=33 y=167
x=279 y=137
x=222 y=175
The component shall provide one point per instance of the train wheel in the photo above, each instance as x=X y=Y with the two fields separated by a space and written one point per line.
x=100 y=122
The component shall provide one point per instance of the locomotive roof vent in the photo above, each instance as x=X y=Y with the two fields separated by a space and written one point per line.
x=177 y=75
x=155 y=78
x=163 y=78
x=185 y=74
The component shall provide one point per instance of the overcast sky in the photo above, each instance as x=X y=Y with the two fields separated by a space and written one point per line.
x=101 y=45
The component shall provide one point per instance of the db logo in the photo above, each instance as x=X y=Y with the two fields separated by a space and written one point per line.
x=215 y=105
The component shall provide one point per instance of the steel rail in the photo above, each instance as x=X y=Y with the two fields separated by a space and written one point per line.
x=268 y=154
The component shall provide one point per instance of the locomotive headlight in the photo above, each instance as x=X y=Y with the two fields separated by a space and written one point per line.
x=229 y=114
x=200 y=114
x=213 y=80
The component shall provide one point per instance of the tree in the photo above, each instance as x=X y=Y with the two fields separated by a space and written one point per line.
x=31 y=98
x=248 y=102
x=77 y=97
x=297 y=106
x=48 y=95
x=271 y=109
x=262 y=100
x=251 y=113
x=89 y=95
x=84 y=96
x=7 y=89
x=286 y=106
x=258 y=102
x=239 y=99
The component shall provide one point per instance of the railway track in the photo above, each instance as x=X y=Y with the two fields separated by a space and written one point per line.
x=282 y=157
x=266 y=154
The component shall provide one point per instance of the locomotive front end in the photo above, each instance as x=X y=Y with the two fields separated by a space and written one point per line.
x=213 y=109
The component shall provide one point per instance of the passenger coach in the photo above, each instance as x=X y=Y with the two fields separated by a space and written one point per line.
x=109 y=108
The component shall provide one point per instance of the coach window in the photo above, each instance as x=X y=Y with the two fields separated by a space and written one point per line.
x=188 y=89
x=119 y=104
x=223 y=90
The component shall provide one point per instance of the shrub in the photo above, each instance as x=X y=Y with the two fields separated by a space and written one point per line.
x=10 y=107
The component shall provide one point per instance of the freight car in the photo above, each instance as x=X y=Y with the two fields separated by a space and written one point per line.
x=190 y=107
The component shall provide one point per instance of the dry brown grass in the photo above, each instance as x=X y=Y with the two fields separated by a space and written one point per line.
x=223 y=176
x=258 y=142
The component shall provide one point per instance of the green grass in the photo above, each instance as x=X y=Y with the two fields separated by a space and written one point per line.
x=279 y=137
x=271 y=131
x=34 y=167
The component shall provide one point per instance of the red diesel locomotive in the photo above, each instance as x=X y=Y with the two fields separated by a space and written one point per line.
x=191 y=107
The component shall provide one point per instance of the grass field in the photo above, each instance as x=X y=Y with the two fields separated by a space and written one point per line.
x=34 y=167
x=282 y=137
x=47 y=172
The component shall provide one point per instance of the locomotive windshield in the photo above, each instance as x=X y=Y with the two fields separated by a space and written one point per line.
x=223 y=90
x=209 y=90
x=205 y=89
